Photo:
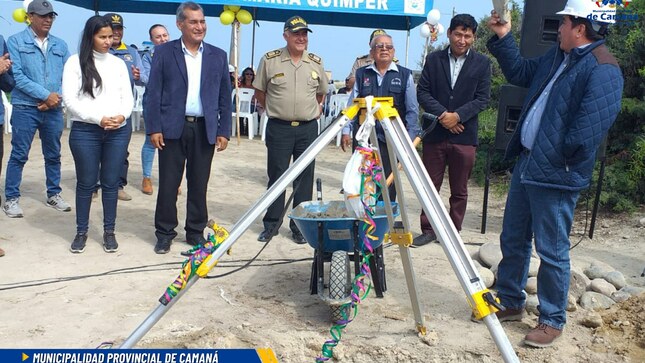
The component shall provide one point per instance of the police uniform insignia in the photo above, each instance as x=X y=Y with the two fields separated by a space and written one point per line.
x=396 y=82
x=363 y=57
x=277 y=75
x=273 y=53
x=314 y=75
x=127 y=58
x=315 y=58
x=366 y=82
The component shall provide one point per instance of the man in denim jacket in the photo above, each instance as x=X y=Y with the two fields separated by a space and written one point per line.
x=38 y=58
x=6 y=85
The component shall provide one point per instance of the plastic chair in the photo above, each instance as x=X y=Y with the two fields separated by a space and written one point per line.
x=7 y=113
x=137 y=109
x=245 y=101
x=337 y=104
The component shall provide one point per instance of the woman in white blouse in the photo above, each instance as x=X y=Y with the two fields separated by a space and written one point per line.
x=96 y=90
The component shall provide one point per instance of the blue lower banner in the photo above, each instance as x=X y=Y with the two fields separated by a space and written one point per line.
x=264 y=355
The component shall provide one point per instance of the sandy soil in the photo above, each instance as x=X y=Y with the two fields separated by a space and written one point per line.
x=52 y=298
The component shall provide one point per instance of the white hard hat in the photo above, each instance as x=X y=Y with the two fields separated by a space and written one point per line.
x=231 y=68
x=588 y=10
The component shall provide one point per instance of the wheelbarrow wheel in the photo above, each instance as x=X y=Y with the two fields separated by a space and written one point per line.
x=339 y=284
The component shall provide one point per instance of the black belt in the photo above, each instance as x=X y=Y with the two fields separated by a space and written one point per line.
x=194 y=118
x=293 y=123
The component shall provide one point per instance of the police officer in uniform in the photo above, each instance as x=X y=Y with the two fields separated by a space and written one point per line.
x=365 y=60
x=133 y=61
x=291 y=85
x=384 y=78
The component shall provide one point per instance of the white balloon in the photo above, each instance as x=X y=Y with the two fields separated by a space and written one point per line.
x=433 y=17
x=425 y=30
x=25 y=4
x=440 y=29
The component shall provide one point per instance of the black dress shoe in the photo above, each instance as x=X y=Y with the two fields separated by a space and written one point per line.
x=424 y=239
x=265 y=236
x=196 y=240
x=298 y=238
x=162 y=246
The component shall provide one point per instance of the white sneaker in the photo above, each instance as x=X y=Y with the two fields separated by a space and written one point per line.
x=57 y=202
x=12 y=208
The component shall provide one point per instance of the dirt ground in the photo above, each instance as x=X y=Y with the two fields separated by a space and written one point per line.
x=52 y=298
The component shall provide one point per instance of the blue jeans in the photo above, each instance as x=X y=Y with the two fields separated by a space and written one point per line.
x=147 y=157
x=25 y=120
x=97 y=152
x=546 y=214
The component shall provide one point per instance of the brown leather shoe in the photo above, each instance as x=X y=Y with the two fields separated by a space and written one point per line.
x=542 y=336
x=506 y=315
x=146 y=186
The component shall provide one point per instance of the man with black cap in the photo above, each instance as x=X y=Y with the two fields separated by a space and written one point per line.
x=364 y=60
x=132 y=59
x=290 y=84
x=38 y=59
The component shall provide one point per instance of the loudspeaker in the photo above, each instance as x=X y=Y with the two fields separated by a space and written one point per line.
x=540 y=26
x=511 y=99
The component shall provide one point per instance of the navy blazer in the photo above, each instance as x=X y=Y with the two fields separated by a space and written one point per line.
x=167 y=90
x=469 y=97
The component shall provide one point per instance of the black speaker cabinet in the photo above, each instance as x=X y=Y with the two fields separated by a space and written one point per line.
x=540 y=26
x=511 y=99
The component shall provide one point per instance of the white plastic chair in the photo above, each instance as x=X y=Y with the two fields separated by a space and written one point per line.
x=337 y=103
x=263 y=126
x=245 y=101
x=7 y=113
x=137 y=109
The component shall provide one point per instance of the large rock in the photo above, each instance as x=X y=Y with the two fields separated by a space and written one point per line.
x=534 y=266
x=597 y=270
x=602 y=286
x=532 y=303
x=620 y=296
x=633 y=290
x=578 y=284
x=617 y=279
x=571 y=303
x=487 y=276
x=641 y=222
x=531 y=285
x=594 y=301
x=591 y=320
x=490 y=254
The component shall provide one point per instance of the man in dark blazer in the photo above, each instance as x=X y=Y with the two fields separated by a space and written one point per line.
x=188 y=108
x=454 y=85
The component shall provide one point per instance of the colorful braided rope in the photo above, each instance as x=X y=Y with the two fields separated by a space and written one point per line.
x=361 y=284
x=197 y=255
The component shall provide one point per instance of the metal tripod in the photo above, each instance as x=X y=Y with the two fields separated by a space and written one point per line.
x=479 y=298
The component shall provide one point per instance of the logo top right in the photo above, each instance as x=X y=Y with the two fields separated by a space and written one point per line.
x=613 y=11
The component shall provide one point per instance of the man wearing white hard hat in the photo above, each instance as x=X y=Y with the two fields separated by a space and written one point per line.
x=574 y=97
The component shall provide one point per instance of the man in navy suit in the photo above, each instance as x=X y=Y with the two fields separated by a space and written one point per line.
x=454 y=85
x=188 y=108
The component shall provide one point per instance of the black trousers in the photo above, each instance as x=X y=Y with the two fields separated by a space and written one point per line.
x=283 y=142
x=195 y=152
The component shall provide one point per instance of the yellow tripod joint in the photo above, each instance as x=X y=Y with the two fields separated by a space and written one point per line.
x=401 y=238
x=485 y=304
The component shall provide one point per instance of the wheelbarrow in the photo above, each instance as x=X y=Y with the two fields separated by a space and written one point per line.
x=337 y=238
